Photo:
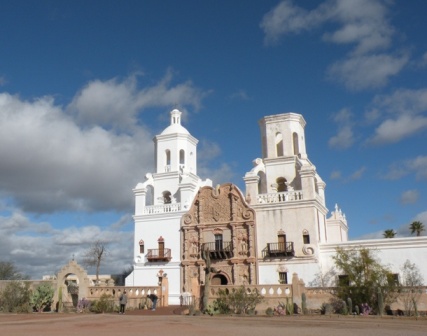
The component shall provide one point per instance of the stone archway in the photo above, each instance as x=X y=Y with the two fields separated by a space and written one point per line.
x=82 y=279
x=219 y=280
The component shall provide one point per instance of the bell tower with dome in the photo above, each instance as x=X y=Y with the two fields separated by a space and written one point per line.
x=160 y=202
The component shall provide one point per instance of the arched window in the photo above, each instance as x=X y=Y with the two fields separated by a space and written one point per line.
x=305 y=237
x=295 y=143
x=141 y=246
x=279 y=144
x=281 y=184
x=167 y=197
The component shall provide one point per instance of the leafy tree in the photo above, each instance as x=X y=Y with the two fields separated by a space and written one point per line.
x=417 y=227
x=389 y=233
x=8 y=271
x=95 y=255
x=362 y=275
x=42 y=297
x=15 y=297
x=411 y=290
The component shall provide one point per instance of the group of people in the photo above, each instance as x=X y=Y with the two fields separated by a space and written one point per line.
x=123 y=299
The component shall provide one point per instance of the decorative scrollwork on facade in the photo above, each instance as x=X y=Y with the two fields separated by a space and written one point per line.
x=308 y=249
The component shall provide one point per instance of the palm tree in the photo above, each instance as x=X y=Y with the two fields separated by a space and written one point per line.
x=389 y=233
x=417 y=227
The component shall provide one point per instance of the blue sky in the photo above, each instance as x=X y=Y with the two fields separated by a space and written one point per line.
x=85 y=85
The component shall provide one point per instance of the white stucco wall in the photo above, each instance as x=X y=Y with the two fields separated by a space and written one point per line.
x=392 y=252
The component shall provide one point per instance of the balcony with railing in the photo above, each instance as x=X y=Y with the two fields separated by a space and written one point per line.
x=219 y=250
x=280 y=197
x=154 y=255
x=274 y=250
x=161 y=208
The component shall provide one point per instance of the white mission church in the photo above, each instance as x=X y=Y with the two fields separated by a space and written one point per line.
x=278 y=226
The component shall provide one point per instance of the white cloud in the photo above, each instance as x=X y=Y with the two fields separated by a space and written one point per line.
x=343 y=140
x=357 y=175
x=363 y=24
x=418 y=166
x=403 y=101
x=37 y=254
x=52 y=162
x=287 y=18
x=409 y=197
x=368 y=71
x=401 y=114
x=345 y=136
x=392 y=131
x=116 y=104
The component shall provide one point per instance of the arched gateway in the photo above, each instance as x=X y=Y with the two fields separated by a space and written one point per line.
x=75 y=273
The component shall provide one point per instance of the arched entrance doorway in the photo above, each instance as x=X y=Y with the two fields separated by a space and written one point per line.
x=219 y=280
x=72 y=283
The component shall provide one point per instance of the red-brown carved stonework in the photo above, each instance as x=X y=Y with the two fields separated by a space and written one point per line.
x=221 y=211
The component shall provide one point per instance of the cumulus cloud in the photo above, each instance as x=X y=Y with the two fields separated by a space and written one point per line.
x=345 y=136
x=401 y=114
x=51 y=164
x=287 y=18
x=363 y=24
x=367 y=71
x=343 y=140
x=53 y=160
x=409 y=197
x=392 y=131
x=36 y=253
x=417 y=165
x=115 y=103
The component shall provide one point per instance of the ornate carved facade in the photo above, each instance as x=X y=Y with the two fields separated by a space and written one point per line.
x=222 y=225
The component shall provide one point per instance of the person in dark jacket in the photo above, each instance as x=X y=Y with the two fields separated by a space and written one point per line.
x=123 y=301
x=153 y=297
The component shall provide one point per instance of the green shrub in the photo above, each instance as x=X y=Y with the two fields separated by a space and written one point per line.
x=269 y=311
x=240 y=301
x=15 y=297
x=42 y=297
x=105 y=304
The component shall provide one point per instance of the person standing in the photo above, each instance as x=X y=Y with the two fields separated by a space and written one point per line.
x=123 y=301
x=153 y=297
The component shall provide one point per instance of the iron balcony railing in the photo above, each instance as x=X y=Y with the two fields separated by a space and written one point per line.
x=279 y=250
x=159 y=254
x=219 y=249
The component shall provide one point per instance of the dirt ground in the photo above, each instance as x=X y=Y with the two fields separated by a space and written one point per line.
x=131 y=324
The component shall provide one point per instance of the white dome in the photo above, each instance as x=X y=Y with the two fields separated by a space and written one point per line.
x=175 y=128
